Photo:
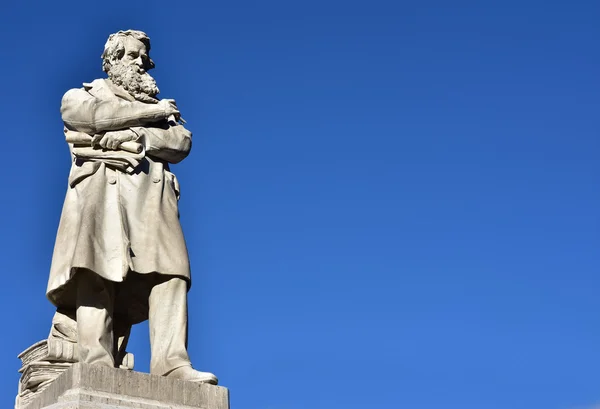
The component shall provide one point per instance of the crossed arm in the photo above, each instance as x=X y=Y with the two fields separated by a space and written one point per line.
x=128 y=121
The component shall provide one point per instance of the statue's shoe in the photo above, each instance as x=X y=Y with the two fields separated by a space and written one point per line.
x=187 y=373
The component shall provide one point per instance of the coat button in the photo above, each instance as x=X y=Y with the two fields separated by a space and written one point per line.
x=155 y=179
x=112 y=180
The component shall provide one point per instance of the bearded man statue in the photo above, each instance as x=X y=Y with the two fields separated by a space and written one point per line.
x=120 y=256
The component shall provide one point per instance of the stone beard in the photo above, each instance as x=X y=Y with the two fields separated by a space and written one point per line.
x=134 y=80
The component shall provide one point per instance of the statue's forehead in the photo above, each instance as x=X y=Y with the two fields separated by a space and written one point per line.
x=132 y=43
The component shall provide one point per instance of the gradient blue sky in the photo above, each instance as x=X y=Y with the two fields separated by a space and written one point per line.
x=389 y=204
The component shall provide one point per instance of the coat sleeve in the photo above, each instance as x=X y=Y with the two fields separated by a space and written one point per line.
x=171 y=143
x=83 y=112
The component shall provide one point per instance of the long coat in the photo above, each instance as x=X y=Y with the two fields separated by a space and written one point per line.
x=114 y=222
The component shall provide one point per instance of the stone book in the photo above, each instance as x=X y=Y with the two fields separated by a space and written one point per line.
x=51 y=349
x=41 y=371
x=60 y=350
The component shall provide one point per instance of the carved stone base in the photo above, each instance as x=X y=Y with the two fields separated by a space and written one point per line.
x=96 y=387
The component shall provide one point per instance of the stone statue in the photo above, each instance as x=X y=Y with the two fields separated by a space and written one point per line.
x=120 y=256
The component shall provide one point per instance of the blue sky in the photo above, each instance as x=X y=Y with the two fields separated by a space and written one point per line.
x=389 y=204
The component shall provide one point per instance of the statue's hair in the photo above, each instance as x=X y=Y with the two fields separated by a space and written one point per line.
x=114 y=48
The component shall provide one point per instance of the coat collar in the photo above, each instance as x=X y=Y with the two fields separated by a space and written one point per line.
x=104 y=88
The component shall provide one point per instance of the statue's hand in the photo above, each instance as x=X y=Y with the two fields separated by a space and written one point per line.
x=170 y=107
x=113 y=139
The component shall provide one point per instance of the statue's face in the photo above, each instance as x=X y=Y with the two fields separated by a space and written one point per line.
x=130 y=71
x=135 y=54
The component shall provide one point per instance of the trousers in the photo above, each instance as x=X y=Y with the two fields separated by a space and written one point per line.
x=101 y=337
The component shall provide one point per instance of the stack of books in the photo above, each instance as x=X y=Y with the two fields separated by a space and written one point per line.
x=44 y=361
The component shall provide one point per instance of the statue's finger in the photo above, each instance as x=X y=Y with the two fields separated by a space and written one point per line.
x=96 y=140
x=104 y=141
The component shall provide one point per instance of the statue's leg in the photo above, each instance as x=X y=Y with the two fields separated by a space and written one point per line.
x=95 y=301
x=167 y=318
x=168 y=332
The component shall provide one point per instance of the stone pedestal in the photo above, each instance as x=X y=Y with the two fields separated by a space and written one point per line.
x=95 y=387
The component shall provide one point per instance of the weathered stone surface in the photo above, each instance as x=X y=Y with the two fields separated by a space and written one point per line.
x=97 y=387
x=120 y=257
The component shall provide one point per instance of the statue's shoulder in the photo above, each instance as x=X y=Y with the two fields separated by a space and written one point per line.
x=98 y=88
x=101 y=88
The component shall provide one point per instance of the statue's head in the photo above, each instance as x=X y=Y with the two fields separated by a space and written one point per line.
x=126 y=60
